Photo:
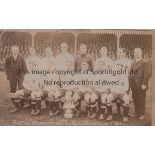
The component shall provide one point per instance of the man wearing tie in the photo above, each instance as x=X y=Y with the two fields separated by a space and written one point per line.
x=139 y=77
x=15 y=71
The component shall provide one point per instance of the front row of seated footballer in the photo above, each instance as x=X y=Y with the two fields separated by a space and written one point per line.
x=98 y=99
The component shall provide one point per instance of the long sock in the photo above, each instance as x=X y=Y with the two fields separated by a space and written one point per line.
x=78 y=107
x=47 y=103
x=56 y=105
x=50 y=103
x=38 y=102
x=88 y=109
x=102 y=110
x=94 y=109
x=33 y=104
x=13 y=103
x=109 y=109
x=16 y=102
x=126 y=110
x=22 y=103
x=118 y=107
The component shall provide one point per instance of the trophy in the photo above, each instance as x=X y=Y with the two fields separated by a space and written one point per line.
x=68 y=109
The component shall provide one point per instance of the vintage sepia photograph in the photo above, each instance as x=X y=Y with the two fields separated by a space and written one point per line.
x=75 y=77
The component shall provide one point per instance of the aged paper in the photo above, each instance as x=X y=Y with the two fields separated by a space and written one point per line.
x=76 y=77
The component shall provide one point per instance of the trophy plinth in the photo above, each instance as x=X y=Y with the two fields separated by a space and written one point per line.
x=68 y=110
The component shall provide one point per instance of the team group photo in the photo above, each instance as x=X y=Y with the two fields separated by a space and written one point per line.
x=75 y=77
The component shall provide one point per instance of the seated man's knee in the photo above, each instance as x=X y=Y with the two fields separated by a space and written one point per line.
x=68 y=95
x=104 y=98
x=38 y=96
x=76 y=97
x=57 y=94
x=110 y=98
x=126 y=99
x=33 y=95
x=87 y=97
x=93 y=97
x=50 y=95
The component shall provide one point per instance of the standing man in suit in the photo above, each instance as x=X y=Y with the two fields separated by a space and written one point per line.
x=15 y=71
x=139 y=77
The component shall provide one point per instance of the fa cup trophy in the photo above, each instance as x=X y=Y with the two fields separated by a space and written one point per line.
x=68 y=108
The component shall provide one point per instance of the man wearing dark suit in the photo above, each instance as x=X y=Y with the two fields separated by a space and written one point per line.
x=139 y=77
x=83 y=57
x=15 y=71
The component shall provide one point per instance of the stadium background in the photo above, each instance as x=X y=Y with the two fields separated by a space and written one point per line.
x=95 y=39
